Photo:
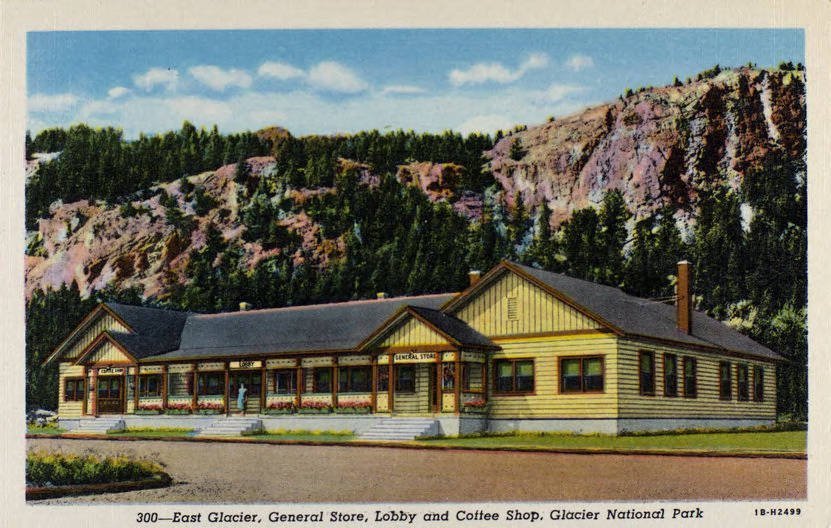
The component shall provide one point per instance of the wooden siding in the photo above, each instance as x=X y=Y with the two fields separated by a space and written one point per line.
x=69 y=409
x=412 y=333
x=707 y=403
x=546 y=401
x=105 y=322
x=532 y=310
x=106 y=353
x=418 y=401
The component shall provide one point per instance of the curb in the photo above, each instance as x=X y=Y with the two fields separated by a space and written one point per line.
x=159 y=481
x=409 y=445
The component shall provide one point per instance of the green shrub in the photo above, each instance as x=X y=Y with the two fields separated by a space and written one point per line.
x=45 y=468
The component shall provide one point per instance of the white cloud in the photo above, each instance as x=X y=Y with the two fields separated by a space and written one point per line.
x=168 y=78
x=335 y=77
x=279 y=70
x=483 y=72
x=401 y=89
x=117 y=91
x=52 y=103
x=557 y=92
x=219 y=79
x=486 y=124
x=579 y=62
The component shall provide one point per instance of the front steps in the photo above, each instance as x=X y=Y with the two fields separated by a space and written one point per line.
x=232 y=426
x=400 y=429
x=97 y=426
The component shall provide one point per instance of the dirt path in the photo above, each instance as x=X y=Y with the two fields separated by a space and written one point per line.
x=250 y=473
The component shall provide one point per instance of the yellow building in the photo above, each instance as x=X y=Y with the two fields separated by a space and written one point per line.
x=520 y=349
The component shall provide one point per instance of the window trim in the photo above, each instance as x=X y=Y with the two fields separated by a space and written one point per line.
x=724 y=366
x=347 y=377
x=467 y=377
x=742 y=395
x=292 y=372
x=641 y=354
x=664 y=368
x=687 y=392
x=201 y=388
x=144 y=393
x=398 y=388
x=76 y=397
x=513 y=391
x=561 y=385
x=315 y=387
x=758 y=382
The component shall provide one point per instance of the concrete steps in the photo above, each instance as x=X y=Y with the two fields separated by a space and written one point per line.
x=232 y=426
x=98 y=426
x=401 y=429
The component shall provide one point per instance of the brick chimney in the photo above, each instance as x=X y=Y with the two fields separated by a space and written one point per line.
x=474 y=276
x=683 y=298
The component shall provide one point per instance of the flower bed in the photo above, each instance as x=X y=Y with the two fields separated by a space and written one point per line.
x=314 y=407
x=358 y=407
x=148 y=409
x=178 y=408
x=210 y=408
x=477 y=406
x=284 y=407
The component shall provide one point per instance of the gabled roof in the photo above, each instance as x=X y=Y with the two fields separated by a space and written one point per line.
x=321 y=327
x=635 y=316
x=155 y=330
x=453 y=327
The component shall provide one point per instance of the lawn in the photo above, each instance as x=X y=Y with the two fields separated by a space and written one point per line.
x=305 y=436
x=751 y=442
x=154 y=433
x=48 y=429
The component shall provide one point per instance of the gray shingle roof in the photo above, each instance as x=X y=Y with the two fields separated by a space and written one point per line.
x=336 y=326
x=637 y=316
x=156 y=330
x=454 y=327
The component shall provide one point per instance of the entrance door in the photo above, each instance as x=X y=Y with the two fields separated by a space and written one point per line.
x=252 y=379
x=110 y=395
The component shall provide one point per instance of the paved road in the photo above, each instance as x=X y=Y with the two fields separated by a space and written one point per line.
x=250 y=473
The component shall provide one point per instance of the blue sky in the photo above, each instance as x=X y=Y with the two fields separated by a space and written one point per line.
x=330 y=81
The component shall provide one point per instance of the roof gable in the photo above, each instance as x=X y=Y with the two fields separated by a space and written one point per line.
x=105 y=350
x=101 y=319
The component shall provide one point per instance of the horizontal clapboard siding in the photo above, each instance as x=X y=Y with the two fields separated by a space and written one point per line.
x=71 y=409
x=513 y=306
x=547 y=402
x=105 y=322
x=707 y=403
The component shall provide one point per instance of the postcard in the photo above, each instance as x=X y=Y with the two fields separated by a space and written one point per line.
x=417 y=264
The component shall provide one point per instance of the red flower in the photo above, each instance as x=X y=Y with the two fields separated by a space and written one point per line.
x=280 y=406
x=478 y=403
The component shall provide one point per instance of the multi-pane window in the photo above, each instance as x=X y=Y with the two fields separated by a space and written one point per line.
x=150 y=385
x=670 y=375
x=285 y=381
x=383 y=378
x=581 y=374
x=73 y=389
x=742 y=382
x=647 y=372
x=354 y=379
x=758 y=384
x=472 y=376
x=322 y=379
x=405 y=380
x=109 y=388
x=725 y=381
x=211 y=383
x=514 y=375
x=448 y=376
x=690 y=377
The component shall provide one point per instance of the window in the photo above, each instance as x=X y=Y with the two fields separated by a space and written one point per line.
x=647 y=371
x=448 y=376
x=109 y=388
x=354 y=379
x=150 y=385
x=285 y=381
x=322 y=379
x=383 y=378
x=690 y=378
x=405 y=380
x=514 y=375
x=472 y=377
x=758 y=384
x=211 y=383
x=742 y=382
x=581 y=374
x=73 y=389
x=670 y=375
x=725 y=391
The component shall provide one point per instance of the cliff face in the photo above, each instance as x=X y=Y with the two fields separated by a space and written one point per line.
x=658 y=146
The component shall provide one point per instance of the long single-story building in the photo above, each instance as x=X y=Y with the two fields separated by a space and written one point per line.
x=519 y=349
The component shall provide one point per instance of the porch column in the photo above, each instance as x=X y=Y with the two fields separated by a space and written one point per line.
x=136 y=389
x=373 y=398
x=299 y=384
x=335 y=381
x=263 y=385
x=194 y=386
x=86 y=392
x=457 y=382
x=227 y=396
x=390 y=384
x=164 y=386
x=439 y=403
x=94 y=391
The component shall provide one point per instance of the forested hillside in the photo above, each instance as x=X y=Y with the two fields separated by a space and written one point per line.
x=711 y=170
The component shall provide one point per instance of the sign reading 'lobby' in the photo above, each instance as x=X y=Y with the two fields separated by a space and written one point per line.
x=245 y=364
